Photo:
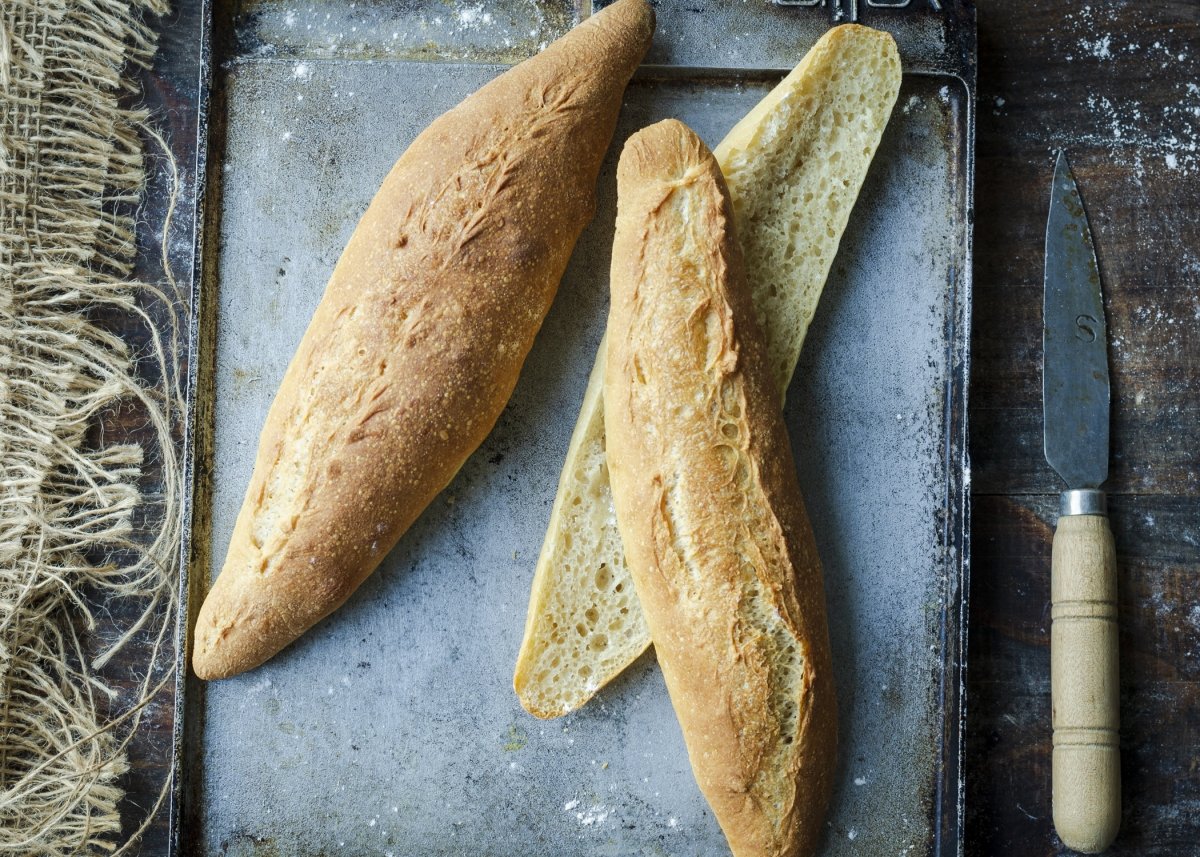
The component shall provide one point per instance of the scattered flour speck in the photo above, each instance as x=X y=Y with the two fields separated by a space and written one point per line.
x=1100 y=48
x=473 y=16
x=597 y=814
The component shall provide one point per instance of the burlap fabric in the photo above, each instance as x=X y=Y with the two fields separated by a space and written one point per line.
x=73 y=531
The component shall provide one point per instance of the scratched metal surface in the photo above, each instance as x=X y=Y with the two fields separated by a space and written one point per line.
x=392 y=727
x=765 y=34
x=493 y=31
x=695 y=34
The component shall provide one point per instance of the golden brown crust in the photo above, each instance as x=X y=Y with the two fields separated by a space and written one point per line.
x=708 y=505
x=417 y=343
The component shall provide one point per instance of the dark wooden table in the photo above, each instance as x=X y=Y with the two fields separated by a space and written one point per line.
x=1117 y=84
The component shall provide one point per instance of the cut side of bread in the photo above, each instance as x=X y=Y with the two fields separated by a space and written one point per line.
x=574 y=646
x=709 y=507
x=794 y=166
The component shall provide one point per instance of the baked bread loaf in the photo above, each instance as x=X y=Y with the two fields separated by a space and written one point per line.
x=417 y=343
x=708 y=506
x=794 y=166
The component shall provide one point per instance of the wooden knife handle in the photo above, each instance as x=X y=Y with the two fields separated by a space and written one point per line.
x=1083 y=683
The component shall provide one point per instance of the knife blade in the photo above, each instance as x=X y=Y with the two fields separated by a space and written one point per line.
x=1086 y=772
x=1075 y=389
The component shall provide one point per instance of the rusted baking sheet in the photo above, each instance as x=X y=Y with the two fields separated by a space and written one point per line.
x=392 y=727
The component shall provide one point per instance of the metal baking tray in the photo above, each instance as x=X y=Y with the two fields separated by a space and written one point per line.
x=392 y=728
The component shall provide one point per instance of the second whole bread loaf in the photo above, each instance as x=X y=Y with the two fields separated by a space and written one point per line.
x=708 y=505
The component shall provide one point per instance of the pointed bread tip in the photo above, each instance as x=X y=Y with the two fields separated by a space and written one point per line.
x=663 y=153
x=635 y=17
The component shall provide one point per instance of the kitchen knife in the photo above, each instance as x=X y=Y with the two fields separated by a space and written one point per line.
x=1086 y=766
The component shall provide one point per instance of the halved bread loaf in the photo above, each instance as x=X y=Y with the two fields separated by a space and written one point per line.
x=708 y=505
x=794 y=166
x=417 y=342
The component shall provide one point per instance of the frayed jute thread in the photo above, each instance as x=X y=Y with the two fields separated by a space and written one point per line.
x=71 y=176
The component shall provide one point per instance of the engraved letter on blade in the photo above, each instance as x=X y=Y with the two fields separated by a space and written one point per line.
x=1075 y=393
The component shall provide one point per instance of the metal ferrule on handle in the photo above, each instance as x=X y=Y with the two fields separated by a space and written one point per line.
x=1087 y=501
x=1083 y=675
